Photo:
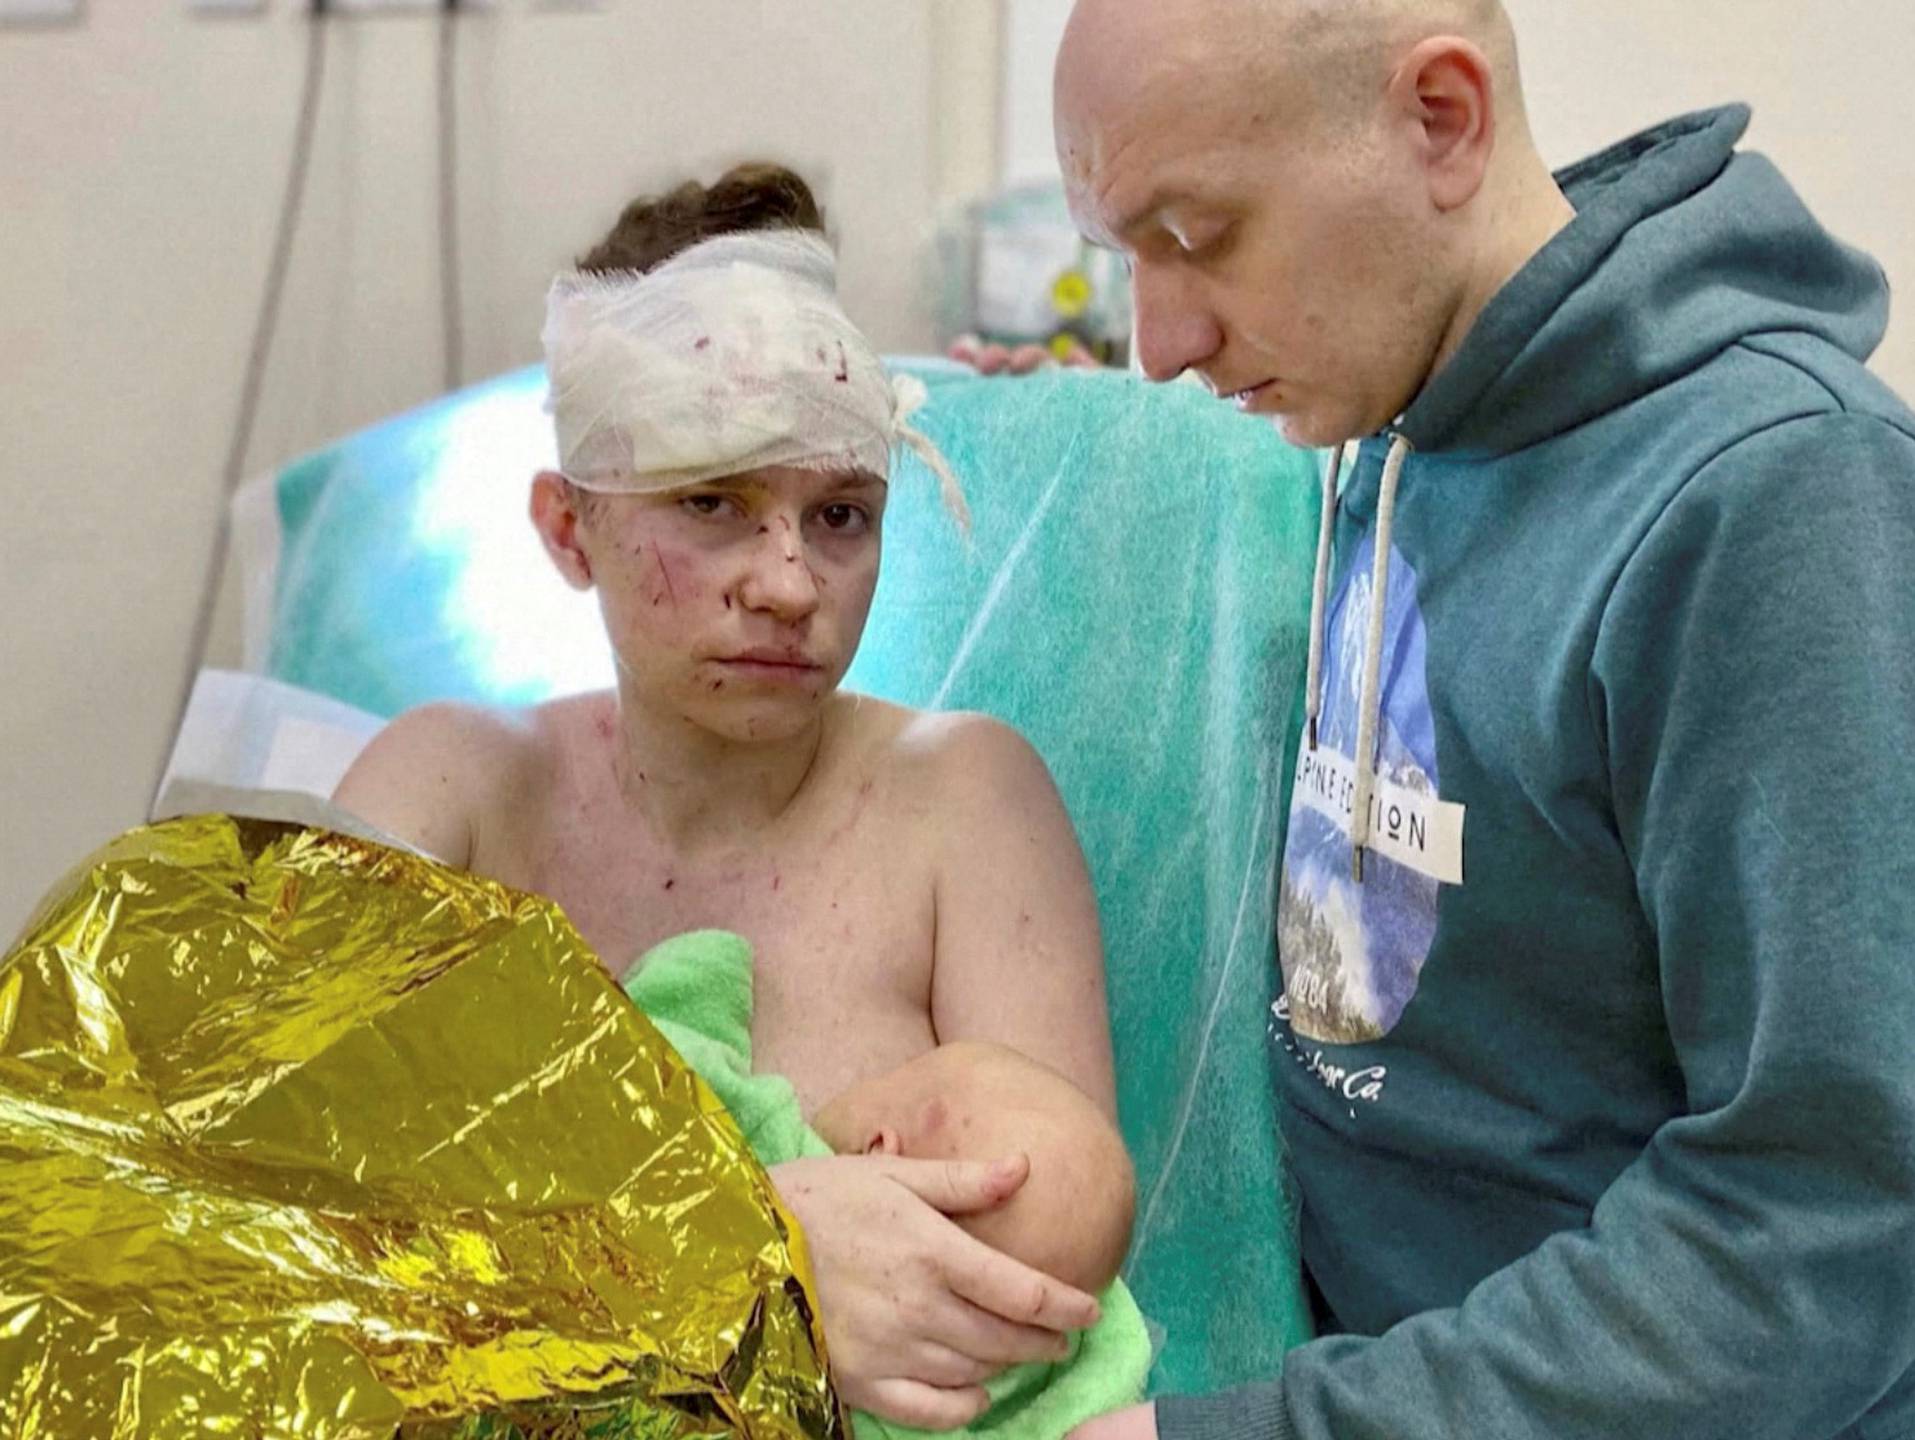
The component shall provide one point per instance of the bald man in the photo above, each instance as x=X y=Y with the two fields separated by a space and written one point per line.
x=1596 y=1042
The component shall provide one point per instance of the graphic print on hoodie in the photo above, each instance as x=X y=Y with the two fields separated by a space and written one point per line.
x=1351 y=950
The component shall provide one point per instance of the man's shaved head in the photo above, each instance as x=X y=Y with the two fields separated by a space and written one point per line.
x=1316 y=196
x=1341 y=43
x=1346 y=46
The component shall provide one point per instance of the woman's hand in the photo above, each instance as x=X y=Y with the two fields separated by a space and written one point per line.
x=917 y=1313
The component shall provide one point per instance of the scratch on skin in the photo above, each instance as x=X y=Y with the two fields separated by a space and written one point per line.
x=851 y=820
x=665 y=570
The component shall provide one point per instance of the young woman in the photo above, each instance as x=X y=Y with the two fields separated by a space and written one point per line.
x=906 y=879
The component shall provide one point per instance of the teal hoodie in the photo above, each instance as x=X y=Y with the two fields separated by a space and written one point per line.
x=1599 y=1084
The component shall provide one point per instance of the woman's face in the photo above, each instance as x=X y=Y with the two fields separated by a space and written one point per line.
x=736 y=604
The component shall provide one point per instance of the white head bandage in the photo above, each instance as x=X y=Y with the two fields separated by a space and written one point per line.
x=731 y=356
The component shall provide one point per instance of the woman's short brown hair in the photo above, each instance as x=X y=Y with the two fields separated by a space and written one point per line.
x=654 y=228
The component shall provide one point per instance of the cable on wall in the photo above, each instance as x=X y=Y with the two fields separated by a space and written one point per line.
x=450 y=280
x=265 y=325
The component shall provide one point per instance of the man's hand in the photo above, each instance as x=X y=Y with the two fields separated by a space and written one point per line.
x=919 y=1314
x=996 y=359
x=1137 y=1423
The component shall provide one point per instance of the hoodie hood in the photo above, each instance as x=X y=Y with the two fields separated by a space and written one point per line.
x=1680 y=248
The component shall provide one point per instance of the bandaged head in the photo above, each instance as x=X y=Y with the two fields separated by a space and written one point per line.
x=734 y=355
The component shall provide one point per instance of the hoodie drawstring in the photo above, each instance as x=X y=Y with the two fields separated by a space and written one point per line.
x=1320 y=595
x=1370 y=705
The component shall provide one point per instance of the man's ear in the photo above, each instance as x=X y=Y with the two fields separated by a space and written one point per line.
x=884 y=1141
x=1446 y=88
x=555 y=515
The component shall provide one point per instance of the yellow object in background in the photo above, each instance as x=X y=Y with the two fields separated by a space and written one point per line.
x=1071 y=295
x=305 y=1137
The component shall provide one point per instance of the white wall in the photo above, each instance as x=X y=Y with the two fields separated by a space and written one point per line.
x=1032 y=29
x=140 y=170
x=1828 y=82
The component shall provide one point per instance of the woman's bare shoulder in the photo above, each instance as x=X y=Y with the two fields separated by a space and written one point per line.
x=975 y=772
x=966 y=751
x=434 y=770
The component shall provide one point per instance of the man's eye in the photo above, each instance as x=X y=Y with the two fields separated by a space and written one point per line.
x=706 y=504
x=1202 y=240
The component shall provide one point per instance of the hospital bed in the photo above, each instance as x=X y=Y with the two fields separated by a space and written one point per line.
x=1134 y=599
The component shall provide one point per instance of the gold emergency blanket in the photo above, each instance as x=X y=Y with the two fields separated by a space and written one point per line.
x=304 y=1137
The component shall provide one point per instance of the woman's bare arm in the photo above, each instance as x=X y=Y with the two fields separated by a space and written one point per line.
x=1019 y=959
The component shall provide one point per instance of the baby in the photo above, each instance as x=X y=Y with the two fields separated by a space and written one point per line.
x=976 y=1101
x=963 y=1100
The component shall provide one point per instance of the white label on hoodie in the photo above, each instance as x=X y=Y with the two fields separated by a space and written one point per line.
x=1412 y=827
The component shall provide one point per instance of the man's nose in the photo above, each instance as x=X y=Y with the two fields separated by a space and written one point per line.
x=779 y=581
x=1174 y=332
